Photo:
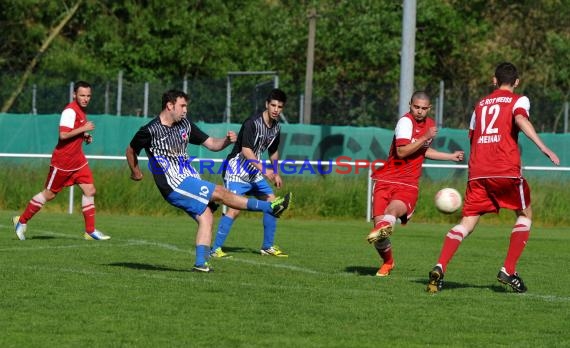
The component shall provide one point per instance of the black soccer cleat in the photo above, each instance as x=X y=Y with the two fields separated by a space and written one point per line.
x=514 y=281
x=435 y=280
x=280 y=204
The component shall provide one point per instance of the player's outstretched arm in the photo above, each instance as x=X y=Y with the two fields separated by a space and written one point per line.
x=456 y=156
x=133 y=162
x=528 y=129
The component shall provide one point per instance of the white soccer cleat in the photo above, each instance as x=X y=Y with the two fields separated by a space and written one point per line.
x=96 y=235
x=19 y=228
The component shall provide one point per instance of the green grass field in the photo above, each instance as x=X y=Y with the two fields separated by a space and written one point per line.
x=136 y=290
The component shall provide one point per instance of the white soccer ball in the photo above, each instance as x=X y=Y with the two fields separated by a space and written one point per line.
x=447 y=200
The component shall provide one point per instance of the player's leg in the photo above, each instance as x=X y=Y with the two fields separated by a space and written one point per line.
x=84 y=179
x=227 y=220
x=276 y=208
x=203 y=240
x=263 y=191
x=193 y=196
x=519 y=198
x=54 y=184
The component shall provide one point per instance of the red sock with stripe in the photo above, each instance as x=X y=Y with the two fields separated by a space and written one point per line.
x=519 y=237
x=88 y=206
x=36 y=204
x=451 y=243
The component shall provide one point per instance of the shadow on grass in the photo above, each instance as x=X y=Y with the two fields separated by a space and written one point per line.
x=146 y=267
x=361 y=270
x=42 y=237
x=455 y=285
x=240 y=250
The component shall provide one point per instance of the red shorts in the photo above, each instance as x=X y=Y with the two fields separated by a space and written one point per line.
x=490 y=195
x=383 y=192
x=57 y=179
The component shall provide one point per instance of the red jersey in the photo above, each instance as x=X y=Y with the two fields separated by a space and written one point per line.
x=68 y=154
x=494 y=136
x=407 y=170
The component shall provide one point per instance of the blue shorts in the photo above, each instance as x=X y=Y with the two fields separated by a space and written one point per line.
x=257 y=189
x=192 y=196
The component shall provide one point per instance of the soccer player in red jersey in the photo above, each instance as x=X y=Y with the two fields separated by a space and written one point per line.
x=396 y=183
x=495 y=178
x=68 y=165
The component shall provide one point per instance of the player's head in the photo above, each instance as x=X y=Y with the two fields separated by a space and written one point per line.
x=420 y=105
x=277 y=94
x=275 y=103
x=506 y=74
x=175 y=103
x=82 y=93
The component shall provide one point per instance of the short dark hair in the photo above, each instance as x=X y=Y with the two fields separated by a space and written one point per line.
x=80 y=84
x=277 y=94
x=420 y=95
x=171 y=96
x=506 y=73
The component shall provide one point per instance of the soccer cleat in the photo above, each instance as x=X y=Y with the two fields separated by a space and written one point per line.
x=514 y=281
x=435 y=280
x=219 y=254
x=96 y=235
x=385 y=270
x=381 y=231
x=273 y=251
x=280 y=204
x=19 y=228
x=205 y=268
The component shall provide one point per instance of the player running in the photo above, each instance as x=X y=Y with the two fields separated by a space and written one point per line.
x=68 y=165
x=495 y=178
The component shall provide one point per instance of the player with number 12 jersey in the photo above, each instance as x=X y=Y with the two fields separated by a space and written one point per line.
x=494 y=135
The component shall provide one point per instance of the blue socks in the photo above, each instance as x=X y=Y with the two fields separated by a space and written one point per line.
x=269 y=227
x=223 y=230
x=257 y=205
x=202 y=254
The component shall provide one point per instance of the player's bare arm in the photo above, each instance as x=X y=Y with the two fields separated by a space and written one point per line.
x=456 y=156
x=133 y=162
x=88 y=126
x=528 y=129
x=252 y=158
x=409 y=149
x=218 y=144
x=274 y=177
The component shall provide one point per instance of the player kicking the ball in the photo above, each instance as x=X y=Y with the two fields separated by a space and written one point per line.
x=495 y=178
x=165 y=140
x=396 y=183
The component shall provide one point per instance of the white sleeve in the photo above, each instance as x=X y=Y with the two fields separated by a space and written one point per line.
x=404 y=129
x=67 y=118
x=523 y=103
x=472 y=123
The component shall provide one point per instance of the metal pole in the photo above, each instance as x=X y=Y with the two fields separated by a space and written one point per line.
x=275 y=81
x=566 y=117
x=310 y=63
x=146 y=92
x=107 y=98
x=185 y=84
x=34 y=96
x=228 y=98
x=119 y=92
x=301 y=103
x=440 y=108
x=369 y=196
x=71 y=84
x=407 y=55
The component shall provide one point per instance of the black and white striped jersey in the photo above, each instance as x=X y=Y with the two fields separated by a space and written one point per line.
x=256 y=135
x=166 y=148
